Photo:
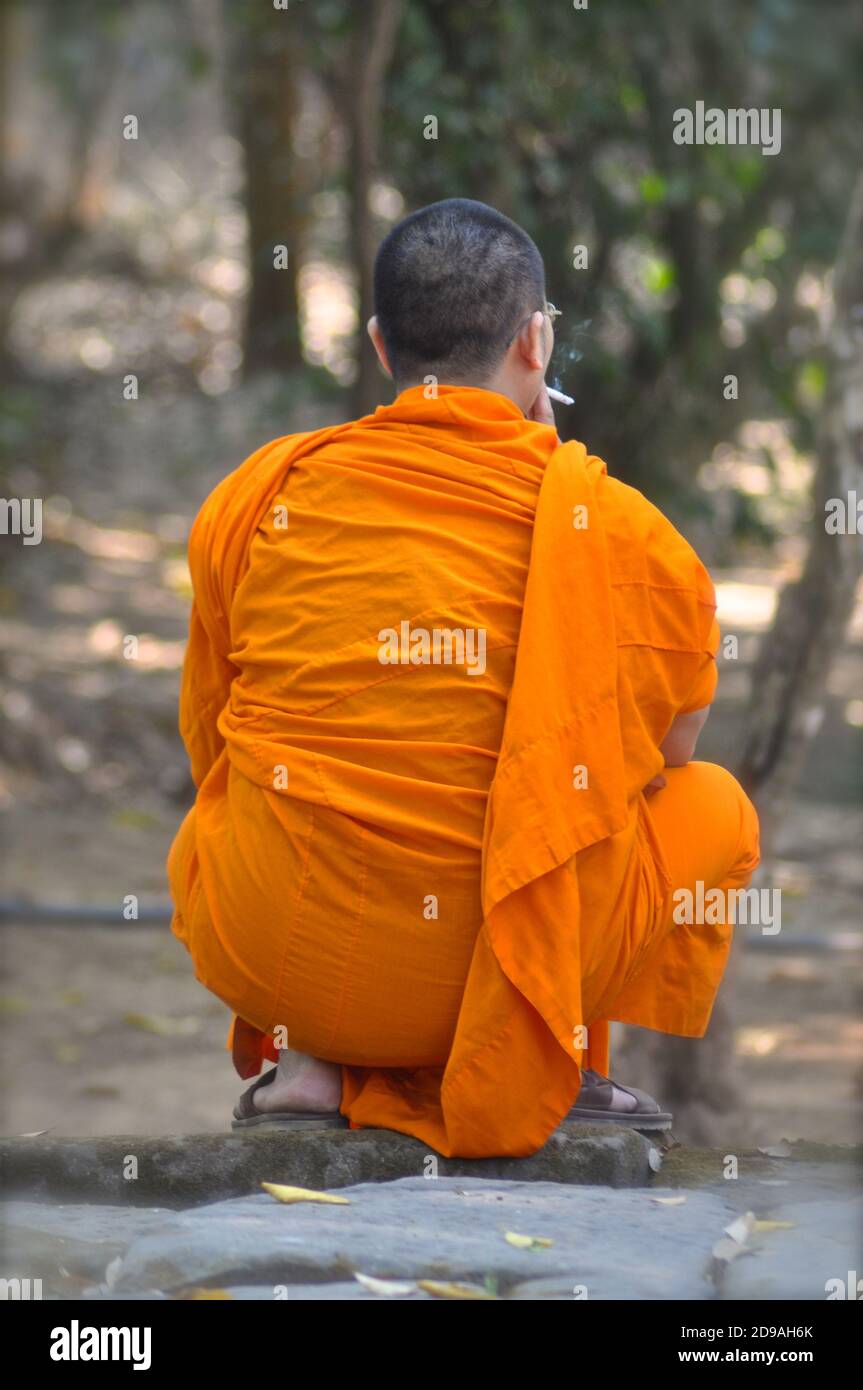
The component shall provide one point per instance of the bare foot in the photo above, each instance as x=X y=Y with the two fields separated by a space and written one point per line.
x=301 y=1084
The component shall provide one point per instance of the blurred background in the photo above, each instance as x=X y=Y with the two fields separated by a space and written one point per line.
x=155 y=153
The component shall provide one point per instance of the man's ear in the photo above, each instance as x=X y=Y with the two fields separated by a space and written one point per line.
x=376 y=336
x=532 y=343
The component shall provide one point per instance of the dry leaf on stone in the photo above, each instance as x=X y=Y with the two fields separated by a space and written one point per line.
x=302 y=1194
x=781 y=1150
x=384 y=1288
x=669 y=1201
x=527 y=1242
x=733 y=1241
x=741 y=1228
x=449 y=1290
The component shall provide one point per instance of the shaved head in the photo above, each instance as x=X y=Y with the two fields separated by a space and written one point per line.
x=452 y=284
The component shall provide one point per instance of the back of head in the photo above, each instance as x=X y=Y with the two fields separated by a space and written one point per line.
x=452 y=283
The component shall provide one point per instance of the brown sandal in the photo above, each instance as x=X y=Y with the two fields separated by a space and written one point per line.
x=247 y=1115
x=596 y=1099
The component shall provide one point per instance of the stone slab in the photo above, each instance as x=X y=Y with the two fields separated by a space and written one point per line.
x=68 y=1246
x=611 y=1243
x=822 y=1247
x=181 y=1170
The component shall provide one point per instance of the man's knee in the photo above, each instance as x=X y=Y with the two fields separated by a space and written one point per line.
x=733 y=814
x=721 y=789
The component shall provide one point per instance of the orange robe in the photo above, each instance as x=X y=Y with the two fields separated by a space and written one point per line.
x=443 y=878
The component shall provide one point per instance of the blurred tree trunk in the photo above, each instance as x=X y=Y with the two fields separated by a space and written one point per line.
x=813 y=612
x=14 y=203
x=701 y=1083
x=44 y=215
x=266 y=69
x=372 y=45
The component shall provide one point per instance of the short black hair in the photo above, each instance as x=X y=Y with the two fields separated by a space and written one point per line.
x=451 y=282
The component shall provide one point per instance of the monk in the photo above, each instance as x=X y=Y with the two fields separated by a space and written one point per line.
x=444 y=682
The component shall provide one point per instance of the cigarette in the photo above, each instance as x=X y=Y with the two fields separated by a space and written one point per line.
x=559 y=396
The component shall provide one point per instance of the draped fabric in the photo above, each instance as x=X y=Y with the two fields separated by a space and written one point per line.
x=432 y=656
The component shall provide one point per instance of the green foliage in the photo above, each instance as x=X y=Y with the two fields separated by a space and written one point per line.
x=564 y=120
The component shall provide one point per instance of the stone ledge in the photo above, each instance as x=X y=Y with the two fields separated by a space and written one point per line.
x=187 y=1170
x=691 y=1167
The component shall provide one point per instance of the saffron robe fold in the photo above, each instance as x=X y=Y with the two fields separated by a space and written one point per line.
x=441 y=877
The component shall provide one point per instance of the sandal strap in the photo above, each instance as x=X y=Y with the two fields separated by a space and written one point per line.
x=245 y=1108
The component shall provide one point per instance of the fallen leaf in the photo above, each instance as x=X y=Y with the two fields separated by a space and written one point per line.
x=302 y=1194
x=773 y=1226
x=385 y=1288
x=781 y=1150
x=669 y=1201
x=438 y=1290
x=527 y=1242
x=741 y=1228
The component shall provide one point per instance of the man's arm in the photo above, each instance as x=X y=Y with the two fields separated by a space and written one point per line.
x=207 y=672
x=204 y=691
x=678 y=746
